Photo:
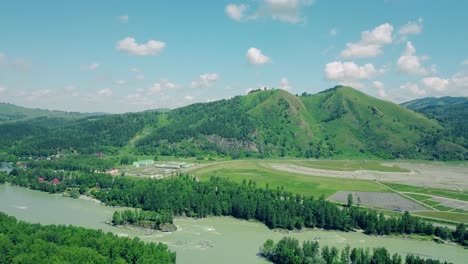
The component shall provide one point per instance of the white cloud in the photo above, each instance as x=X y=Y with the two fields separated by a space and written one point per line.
x=2 y=56
x=124 y=18
x=333 y=32
x=104 y=92
x=236 y=12
x=130 y=46
x=348 y=71
x=413 y=88
x=2 y=89
x=205 y=80
x=409 y=63
x=465 y=62
x=70 y=88
x=371 y=43
x=161 y=86
x=93 y=66
x=189 y=98
x=139 y=77
x=459 y=84
x=256 y=57
x=288 y=11
x=120 y=82
x=379 y=86
x=284 y=84
x=411 y=28
x=435 y=83
x=138 y=99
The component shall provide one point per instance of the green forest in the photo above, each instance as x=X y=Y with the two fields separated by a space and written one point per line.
x=340 y=122
x=185 y=196
x=289 y=251
x=21 y=242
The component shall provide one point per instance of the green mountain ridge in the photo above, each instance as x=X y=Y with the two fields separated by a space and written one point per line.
x=13 y=113
x=339 y=122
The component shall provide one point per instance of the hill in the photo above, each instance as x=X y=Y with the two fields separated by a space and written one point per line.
x=451 y=112
x=340 y=122
x=14 y=113
x=434 y=102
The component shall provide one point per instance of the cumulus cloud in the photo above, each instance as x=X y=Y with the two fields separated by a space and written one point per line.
x=70 y=88
x=465 y=62
x=160 y=86
x=130 y=46
x=124 y=18
x=120 y=82
x=409 y=63
x=287 y=11
x=2 y=89
x=104 y=92
x=2 y=56
x=236 y=12
x=371 y=43
x=333 y=32
x=413 y=89
x=138 y=99
x=348 y=71
x=435 y=83
x=411 y=28
x=379 y=86
x=205 y=80
x=256 y=57
x=189 y=98
x=284 y=84
x=93 y=66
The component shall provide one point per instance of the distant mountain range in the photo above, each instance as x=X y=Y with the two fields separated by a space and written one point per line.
x=13 y=113
x=340 y=122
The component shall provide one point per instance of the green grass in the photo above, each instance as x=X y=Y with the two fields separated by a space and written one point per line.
x=296 y=183
x=419 y=197
x=447 y=216
x=463 y=196
x=348 y=165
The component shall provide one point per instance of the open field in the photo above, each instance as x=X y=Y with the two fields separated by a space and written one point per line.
x=294 y=182
x=446 y=216
x=423 y=175
x=317 y=178
x=388 y=201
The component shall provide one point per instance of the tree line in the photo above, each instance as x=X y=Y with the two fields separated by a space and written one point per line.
x=21 y=242
x=150 y=219
x=277 y=208
x=289 y=251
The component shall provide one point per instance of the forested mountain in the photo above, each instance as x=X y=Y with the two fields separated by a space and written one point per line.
x=452 y=112
x=434 y=102
x=338 y=122
x=11 y=112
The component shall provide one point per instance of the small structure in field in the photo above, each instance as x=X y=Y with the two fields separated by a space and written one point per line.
x=113 y=171
x=143 y=163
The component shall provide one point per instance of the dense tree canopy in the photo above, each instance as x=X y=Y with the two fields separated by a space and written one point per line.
x=22 y=242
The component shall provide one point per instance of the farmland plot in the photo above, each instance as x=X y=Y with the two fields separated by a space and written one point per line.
x=389 y=201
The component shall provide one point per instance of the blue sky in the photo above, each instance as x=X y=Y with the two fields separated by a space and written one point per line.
x=120 y=56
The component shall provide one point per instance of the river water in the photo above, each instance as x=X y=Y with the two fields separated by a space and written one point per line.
x=210 y=240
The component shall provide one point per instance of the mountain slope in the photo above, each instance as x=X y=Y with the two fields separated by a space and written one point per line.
x=13 y=113
x=434 y=102
x=452 y=113
x=339 y=122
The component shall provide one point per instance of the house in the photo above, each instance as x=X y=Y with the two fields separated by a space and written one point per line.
x=6 y=167
x=113 y=172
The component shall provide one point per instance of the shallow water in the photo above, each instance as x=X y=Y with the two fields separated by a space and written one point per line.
x=210 y=240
